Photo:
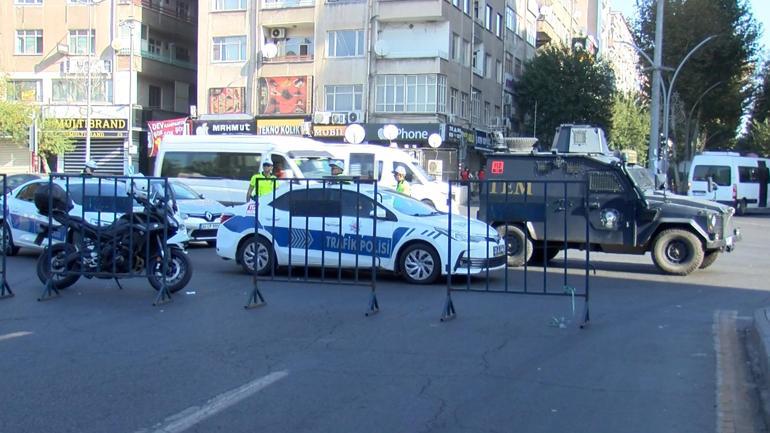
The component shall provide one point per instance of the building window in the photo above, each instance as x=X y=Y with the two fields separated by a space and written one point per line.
x=517 y=69
x=475 y=106
x=411 y=93
x=154 y=99
x=531 y=32
x=24 y=90
x=343 y=97
x=345 y=43
x=467 y=7
x=297 y=47
x=508 y=63
x=488 y=66
x=477 y=63
x=453 y=100
x=455 y=47
x=510 y=19
x=182 y=9
x=154 y=46
x=499 y=26
x=229 y=5
x=79 y=42
x=464 y=105
x=488 y=18
x=229 y=49
x=76 y=90
x=29 y=42
x=487 y=113
x=182 y=53
x=499 y=71
x=28 y=2
x=465 y=54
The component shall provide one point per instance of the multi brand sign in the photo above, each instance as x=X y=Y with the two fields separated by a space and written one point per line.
x=100 y=127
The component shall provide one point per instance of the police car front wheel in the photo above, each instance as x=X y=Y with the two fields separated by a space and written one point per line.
x=256 y=250
x=420 y=264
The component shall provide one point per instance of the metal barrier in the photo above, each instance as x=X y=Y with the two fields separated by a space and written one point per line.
x=5 y=289
x=111 y=227
x=556 y=211
x=328 y=223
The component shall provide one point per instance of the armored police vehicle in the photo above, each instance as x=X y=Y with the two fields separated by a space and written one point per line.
x=580 y=196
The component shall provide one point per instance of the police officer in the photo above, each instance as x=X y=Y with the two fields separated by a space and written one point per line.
x=261 y=187
x=89 y=168
x=337 y=166
x=402 y=185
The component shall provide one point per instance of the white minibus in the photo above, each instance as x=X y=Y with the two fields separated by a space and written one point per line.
x=220 y=166
x=729 y=178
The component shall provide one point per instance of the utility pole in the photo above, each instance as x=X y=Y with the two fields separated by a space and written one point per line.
x=652 y=155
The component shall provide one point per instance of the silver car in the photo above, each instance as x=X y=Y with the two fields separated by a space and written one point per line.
x=201 y=216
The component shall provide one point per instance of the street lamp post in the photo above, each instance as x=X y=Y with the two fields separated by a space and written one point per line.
x=130 y=24
x=692 y=110
x=89 y=74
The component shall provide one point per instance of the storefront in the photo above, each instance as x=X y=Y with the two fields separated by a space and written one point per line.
x=15 y=158
x=108 y=144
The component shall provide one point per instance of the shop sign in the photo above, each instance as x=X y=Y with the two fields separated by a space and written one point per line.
x=281 y=126
x=222 y=127
x=456 y=134
x=157 y=129
x=407 y=132
x=329 y=131
x=483 y=140
x=100 y=127
x=286 y=95
x=470 y=137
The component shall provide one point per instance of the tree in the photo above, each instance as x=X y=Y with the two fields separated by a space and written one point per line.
x=566 y=87
x=630 y=125
x=760 y=136
x=728 y=60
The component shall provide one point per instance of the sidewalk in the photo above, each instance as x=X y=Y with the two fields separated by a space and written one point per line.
x=761 y=341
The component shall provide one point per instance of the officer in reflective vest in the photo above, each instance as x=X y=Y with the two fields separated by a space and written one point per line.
x=263 y=186
x=402 y=185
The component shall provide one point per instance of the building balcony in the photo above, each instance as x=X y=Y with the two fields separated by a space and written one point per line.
x=412 y=10
x=289 y=59
x=181 y=15
x=282 y=4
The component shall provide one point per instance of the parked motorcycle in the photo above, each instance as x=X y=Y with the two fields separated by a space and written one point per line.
x=131 y=245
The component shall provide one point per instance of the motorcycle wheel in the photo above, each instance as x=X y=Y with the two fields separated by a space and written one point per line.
x=58 y=253
x=178 y=272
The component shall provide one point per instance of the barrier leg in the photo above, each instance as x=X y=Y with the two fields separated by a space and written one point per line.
x=255 y=298
x=449 y=309
x=5 y=291
x=163 y=297
x=48 y=291
x=374 y=306
x=586 y=315
x=118 y=283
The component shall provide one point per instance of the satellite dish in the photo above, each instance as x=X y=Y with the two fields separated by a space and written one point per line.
x=390 y=132
x=381 y=48
x=117 y=44
x=270 y=50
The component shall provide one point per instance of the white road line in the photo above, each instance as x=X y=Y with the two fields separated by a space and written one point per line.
x=14 y=335
x=193 y=415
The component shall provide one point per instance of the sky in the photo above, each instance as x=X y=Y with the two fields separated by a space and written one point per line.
x=759 y=8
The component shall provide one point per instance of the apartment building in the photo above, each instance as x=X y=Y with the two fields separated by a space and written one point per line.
x=622 y=55
x=557 y=22
x=129 y=53
x=314 y=67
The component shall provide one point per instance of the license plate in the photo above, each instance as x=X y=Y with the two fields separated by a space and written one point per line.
x=209 y=226
x=498 y=250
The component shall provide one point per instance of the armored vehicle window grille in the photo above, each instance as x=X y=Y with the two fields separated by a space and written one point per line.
x=543 y=167
x=604 y=182
x=573 y=167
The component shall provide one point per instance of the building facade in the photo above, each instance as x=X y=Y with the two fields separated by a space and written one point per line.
x=85 y=62
x=314 y=67
x=622 y=55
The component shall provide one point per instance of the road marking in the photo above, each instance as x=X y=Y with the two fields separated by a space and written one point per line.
x=734 y=410
x=193 y=415
x=14 y=335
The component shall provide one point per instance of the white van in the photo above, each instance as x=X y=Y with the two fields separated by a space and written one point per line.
x=371 y=161
x=731 y=179
x=220 y=166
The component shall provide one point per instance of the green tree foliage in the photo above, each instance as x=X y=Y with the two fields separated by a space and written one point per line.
x=568 y=87
x=728 y=59
x=630 y=125
x=760 y=137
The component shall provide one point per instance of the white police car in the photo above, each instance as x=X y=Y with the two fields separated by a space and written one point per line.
x=97 y=201
x=332 y=225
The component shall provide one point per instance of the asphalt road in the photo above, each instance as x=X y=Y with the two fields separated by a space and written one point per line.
x=98 y=359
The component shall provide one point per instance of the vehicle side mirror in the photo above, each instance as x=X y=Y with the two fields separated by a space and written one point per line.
x=201 y=196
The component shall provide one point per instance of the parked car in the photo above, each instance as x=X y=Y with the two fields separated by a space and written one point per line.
x=201 y=215
x=98 y=202
x=324 y=226
x=14 y=180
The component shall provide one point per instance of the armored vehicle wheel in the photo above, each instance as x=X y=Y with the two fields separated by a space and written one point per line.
x=709 y=258
x=677 y=252
x=518 y=246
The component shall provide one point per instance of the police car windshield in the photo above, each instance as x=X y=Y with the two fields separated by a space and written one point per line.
x=641 y=178
x=406 y=205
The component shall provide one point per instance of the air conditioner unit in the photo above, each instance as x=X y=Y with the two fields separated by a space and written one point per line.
x=322 y=117
x=356 y=117
x=339 y=118
x=278 y=33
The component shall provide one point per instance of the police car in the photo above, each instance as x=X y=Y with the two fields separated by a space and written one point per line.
x=98 y=202
x=323 y=225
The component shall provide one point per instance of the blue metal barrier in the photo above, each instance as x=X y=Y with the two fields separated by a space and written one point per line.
x=5 y=289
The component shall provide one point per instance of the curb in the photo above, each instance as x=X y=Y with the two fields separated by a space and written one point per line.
x=760 y=340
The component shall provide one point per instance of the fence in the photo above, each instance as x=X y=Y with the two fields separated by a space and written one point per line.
x=536 y=220
x=5 y=289
x=112 y=228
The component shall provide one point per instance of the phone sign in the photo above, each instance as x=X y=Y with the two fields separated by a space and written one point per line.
x=498 y=167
